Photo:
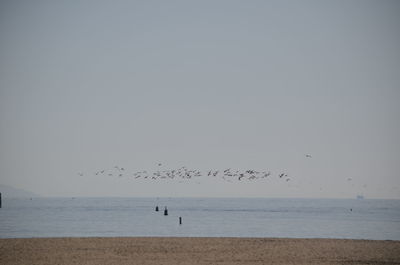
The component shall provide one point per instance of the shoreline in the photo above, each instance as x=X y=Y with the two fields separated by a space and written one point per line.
x=199 y=237
x=197 y=250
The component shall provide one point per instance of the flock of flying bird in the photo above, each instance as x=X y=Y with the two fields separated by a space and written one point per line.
x=185 y=173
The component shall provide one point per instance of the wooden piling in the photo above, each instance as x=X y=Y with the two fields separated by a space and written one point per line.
x=165 y=211
x=157 y=208
x=0 y=199
x=180 y=220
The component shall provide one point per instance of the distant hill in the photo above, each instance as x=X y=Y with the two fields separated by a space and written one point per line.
x=11 y=192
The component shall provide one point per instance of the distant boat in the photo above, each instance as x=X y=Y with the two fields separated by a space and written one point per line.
x=360 y=197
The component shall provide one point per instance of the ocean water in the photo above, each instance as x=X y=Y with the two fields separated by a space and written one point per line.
x=202 y=217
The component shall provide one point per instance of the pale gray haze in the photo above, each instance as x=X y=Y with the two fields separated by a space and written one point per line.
x=89 y=85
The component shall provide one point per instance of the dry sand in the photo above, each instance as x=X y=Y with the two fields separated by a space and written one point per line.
x=197 y=251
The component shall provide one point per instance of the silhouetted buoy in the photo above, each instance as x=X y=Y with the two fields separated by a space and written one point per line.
x=157 y=208
x=165 y=211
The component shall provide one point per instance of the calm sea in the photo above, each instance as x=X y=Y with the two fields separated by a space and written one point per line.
x=204 y=217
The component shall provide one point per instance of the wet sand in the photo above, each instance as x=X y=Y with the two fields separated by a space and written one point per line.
x=167 y=250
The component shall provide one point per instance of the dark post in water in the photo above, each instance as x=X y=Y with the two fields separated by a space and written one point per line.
x=165 y=211
x=0 y=199
x=157 y=208
x=180 y=220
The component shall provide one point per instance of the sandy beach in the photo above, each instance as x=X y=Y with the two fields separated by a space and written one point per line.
x=197 y=251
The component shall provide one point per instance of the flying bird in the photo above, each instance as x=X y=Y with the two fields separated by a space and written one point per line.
x=266 y=174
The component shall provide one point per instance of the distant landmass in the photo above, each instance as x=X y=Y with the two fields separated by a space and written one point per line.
x=11 y=192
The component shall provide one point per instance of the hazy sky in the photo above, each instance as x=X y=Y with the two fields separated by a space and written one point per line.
x=87 y=85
